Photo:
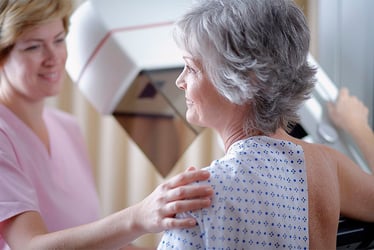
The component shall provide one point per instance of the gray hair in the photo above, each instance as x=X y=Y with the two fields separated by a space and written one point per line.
x=254 y=52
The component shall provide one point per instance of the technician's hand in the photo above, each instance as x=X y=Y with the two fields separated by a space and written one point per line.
x=156 y=212
x=351 y=115
x=348 y=112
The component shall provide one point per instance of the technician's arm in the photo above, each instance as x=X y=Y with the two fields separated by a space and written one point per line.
x=351 y=115
x=154 y=214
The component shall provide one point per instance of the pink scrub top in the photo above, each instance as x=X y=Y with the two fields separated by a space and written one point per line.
x=59 y=185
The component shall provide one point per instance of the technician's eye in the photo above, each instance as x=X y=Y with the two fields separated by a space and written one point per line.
x=61 y=40
x=32 y=47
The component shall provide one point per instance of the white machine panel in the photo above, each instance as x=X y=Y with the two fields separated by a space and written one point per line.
x=111 y=42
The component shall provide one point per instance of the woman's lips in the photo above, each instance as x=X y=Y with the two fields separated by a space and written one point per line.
x=189 y=102
x=51 y=76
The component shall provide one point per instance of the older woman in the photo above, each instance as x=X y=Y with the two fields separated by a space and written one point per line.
x=246 y=74
x=47 y=193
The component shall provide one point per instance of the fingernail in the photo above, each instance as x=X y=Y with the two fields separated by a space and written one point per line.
x=206 y=173
x=192 y=222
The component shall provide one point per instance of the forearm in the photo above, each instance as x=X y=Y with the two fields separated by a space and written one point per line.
x=111 y=232
x=364 y=138
x=153 y=214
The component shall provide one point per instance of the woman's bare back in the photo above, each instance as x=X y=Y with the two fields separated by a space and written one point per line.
x=336 y=186
x=323 y=192
x=324 y=200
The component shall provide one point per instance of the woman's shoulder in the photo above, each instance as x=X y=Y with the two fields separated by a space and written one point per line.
x=318 y=151
x=315 y=151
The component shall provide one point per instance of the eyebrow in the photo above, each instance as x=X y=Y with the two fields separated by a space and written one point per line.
x=40 y=40
x=194 y=61
x=189 y=58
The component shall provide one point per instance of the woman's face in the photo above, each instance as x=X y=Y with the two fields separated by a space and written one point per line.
x=35 y=68
x=205 y=106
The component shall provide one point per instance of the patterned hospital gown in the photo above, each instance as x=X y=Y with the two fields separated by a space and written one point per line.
x=260 y=201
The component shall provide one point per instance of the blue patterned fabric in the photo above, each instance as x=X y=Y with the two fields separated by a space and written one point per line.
x=260 y=201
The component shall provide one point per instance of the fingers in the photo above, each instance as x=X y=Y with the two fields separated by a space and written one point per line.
x=181 y=206
x=343 y=92
x=342 y=97
x=171 y=223
x=187 y=178
x=178 y=207
x=189 y=192
x=330 y=107
x=186 y=198
x=178 y=196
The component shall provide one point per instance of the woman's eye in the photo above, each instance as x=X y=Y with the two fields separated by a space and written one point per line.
x=60 y=40
x=32 y=47
x=190 y=69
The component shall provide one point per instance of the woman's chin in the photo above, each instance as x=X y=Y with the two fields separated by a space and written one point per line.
x=194 y=121
x=190 y=119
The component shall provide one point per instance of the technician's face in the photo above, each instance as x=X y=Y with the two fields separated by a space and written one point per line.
x=35 y=68
x=203 y=101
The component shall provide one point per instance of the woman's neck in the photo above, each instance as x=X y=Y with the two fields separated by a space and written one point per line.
x=231 y=127
x=30 y=113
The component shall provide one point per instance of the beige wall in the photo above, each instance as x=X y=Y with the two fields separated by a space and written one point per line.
x=310 y=10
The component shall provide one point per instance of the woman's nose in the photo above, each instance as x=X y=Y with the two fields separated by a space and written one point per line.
x=180 y=82
x=50 y=56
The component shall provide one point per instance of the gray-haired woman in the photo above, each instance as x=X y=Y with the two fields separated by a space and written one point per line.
x=246 y=74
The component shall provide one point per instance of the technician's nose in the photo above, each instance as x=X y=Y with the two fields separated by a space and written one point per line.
x=50 y=56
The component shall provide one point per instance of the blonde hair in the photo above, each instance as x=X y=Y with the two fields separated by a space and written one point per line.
x=18 y=15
